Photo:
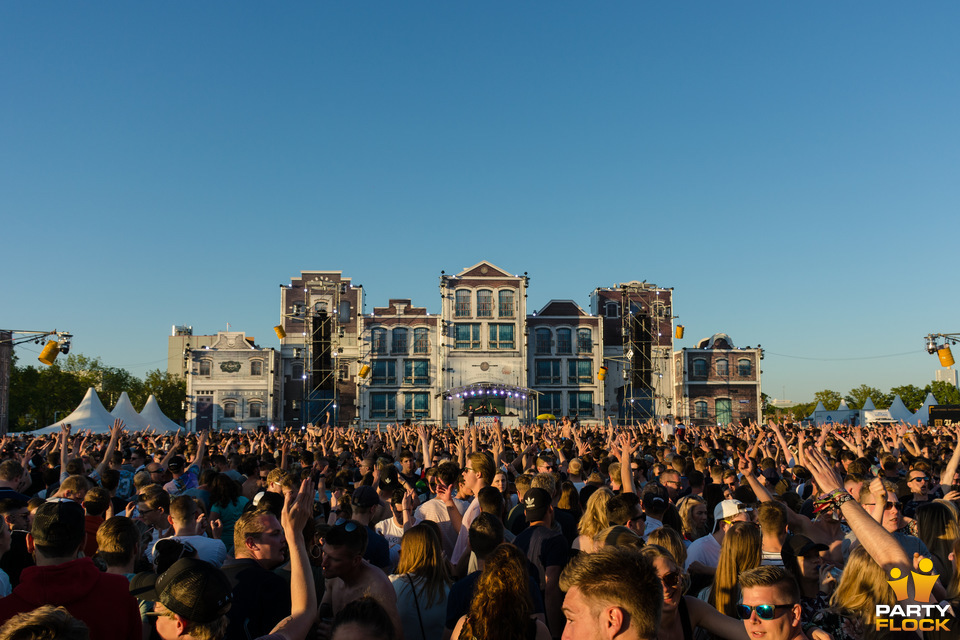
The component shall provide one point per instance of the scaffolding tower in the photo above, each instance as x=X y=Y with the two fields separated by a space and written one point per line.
x=644 y=314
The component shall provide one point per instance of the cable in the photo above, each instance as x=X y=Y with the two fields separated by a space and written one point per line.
x=889 y=355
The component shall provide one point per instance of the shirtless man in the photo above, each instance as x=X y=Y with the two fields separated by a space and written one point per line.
x=349 y=577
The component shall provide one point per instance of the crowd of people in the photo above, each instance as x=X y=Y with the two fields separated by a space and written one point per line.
x=553 y=530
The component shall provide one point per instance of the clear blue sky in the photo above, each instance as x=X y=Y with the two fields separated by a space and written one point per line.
x=789 y=168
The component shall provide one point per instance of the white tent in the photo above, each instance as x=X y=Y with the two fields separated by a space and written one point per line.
x=153 y=416
x=923 y=413
x=868 y=405
x=841 y=414
x=125 y=411
x=899 y=411
x=90 y=414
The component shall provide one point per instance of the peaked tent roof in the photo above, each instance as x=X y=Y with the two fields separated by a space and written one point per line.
x=153 y=416
x=89 y=414
x=899 y=410
x=923 y=413
x=868 y=405
x=843 y=405
x=125 y=411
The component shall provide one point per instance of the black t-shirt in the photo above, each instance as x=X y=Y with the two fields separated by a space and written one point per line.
x=545 y=548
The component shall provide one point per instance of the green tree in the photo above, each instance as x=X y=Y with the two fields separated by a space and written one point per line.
x=944 y=392
x=911 y=395
x=830 y=399
x=856 y=397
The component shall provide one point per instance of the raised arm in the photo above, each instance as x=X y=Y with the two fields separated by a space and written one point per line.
x=878 y=542
x=424 y=434
x=115 y=432
x=297 y=509
x=201 y=449
x=946 y=478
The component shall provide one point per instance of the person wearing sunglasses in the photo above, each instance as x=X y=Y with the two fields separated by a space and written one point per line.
x=770 y=608
x=879 y=499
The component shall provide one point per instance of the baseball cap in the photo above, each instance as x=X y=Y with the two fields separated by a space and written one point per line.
x=366 y=497
x=58 y=522
x=536 y=501
x=175 y=465
x=800 y=545
x=191 y=588
x=728 y=509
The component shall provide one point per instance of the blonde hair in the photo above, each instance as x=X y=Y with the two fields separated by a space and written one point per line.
x=687 y=505
x=670 y=540
x=421 y=556
x=739 y=552
x=863 y=585
x=594 y=518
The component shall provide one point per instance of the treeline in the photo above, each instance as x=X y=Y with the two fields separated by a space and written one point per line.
x=41 y=395
x=912 y=396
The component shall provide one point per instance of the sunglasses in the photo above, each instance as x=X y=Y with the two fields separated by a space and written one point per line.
x=887 y=506
x=764 y=611
x=671 y=580
x=920 y=479
x=348 y=525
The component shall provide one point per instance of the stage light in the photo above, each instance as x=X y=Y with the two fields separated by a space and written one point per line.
x=50 y=352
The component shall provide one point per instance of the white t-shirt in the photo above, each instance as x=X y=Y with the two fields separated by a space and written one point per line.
x=436 y=511
x=705 y=550
x=463 y=540
x=209 y=549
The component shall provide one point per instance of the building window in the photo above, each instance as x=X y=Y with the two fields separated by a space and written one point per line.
x=416 y=372
x=700 y=409
x=584 y=341
x=723 y=367
x=484 y=303
x=547 y=372
x=550 y=402
x=467 y=335
x=501 y=336
x=383 y=405
x=611 y=309
x=543 y=341
x=581 y=403
x=506 y=303
x=744 y=367
x=296 y=371
x=462 y=308
x=384 y=372
x=579 y=371
x=256 y=368
x=421 y=341
x=255 y=409
x=700 y=367
x=205 y=366
x=416 y=405
x=229 y=409
x=399 y=343
x=564 y=341
x=379 y=342
x=724 y=411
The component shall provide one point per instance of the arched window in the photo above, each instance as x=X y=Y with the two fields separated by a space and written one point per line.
x=584 y=340
x=421 y=340
x=700 y=409
x=205 y=366
x=462 y=307
x=379 y=336
x=229 y=409
x=543 y=341
x=399 y=344
x=744 y=367
x=484 y=303
x=699 y=367
x=296 y=370
x=255 y=409
x=611 y=309
x=723 y=367
x=506 y=303
x=564 y=341
x=256 y=368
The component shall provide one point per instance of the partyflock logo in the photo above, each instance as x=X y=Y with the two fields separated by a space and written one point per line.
x=923 y=616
